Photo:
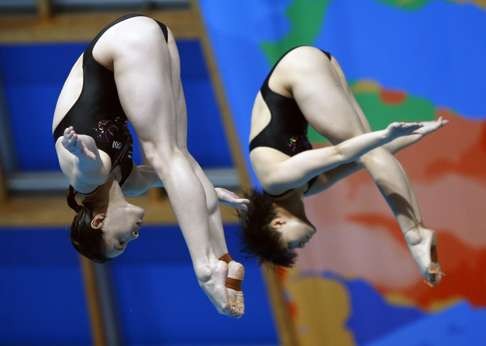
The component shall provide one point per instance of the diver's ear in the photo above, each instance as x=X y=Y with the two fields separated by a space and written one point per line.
x=278 y=222
x=97 y=221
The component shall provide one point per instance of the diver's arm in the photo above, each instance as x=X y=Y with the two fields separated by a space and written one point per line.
x=144 y=177
x=231 y=199
x=329 y=178
x=141 y=179
x=82 y=163
x=299 y=169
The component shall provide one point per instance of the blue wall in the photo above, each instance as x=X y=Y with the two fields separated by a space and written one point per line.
x=157 y=297
x=32 y=76
x=42 y=297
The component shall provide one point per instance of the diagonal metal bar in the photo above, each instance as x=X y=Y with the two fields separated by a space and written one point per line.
x=7 y=157
x=105 y=327
x=44 y=9
x=285 y=325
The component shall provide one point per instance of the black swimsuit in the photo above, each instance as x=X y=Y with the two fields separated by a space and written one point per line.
x=98 y=112
x=287 y=129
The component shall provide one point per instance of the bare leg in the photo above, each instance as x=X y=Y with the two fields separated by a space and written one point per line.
x=215 y=222
x=216 y=231
x=330 y=109
x=419 y=239
x=142 y=65
x=366 y=127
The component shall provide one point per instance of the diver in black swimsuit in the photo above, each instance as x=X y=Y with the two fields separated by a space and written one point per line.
x=307 y=86
x=97 y=112
x=287 y=130
x=130 y=73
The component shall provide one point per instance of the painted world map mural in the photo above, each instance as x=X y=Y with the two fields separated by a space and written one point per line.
x=355 y=283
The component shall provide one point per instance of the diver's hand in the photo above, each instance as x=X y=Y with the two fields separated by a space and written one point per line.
x=431 y=126
x=231 y=199
x=399 y=129
x=81 y=146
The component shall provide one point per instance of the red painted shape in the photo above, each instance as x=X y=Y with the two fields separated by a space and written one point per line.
x=392 y=96
x=463 y=264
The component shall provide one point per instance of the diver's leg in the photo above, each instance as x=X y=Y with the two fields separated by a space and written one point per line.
x=216 y=230
x=319 y=93
x=141 y=66
x=215 y=222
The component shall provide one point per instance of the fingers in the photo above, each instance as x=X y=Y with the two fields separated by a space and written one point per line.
x=405 y=125
x=231 y=194
x=442 y=122
x=73 y=143
x=403 y=129
x=70 y=138
x=243 y=204
x=411 y=126
x=89 y=153
x=69 y=131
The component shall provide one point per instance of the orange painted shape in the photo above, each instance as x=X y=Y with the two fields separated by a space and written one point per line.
x=292 y=308
x=281 y=273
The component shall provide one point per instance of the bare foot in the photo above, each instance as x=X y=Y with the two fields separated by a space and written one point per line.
x=236 y=273
x=422 y=243
x=79 y=145
x=213 y=285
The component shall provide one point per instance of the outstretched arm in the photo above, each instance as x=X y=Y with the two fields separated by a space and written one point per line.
x=231 y=199
x=144 y=177
x=297 y=170
x=141 y=179
x=331 y=177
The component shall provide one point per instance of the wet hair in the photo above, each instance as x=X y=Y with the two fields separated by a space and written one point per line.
x=259 y=238
x=86 y=240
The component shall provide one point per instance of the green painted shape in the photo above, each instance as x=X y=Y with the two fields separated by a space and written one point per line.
x=380 y=114
x=406 y=4
x=306 y=21
x=314 y=137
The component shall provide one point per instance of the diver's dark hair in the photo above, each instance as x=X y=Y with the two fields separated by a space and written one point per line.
x=259 y=238
x=86 y=240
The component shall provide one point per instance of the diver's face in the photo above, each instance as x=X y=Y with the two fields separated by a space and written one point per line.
x=295 y=233
x=121 y=225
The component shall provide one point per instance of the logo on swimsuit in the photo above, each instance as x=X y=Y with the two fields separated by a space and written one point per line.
x=117 y=145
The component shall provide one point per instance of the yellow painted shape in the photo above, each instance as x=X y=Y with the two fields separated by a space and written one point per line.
x=365 y=86
x=322 y=309
x=402 y=301
x=444 y=304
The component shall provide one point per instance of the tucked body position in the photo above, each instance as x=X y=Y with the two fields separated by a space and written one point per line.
x=130 y=73
x=307 y=87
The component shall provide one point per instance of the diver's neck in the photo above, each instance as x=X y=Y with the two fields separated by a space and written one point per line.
x=115 y=194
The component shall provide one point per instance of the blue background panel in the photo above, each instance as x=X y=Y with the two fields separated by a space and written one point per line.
x=160 y=301
x=157 y=298
x=32 y=76
x=42 y=299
